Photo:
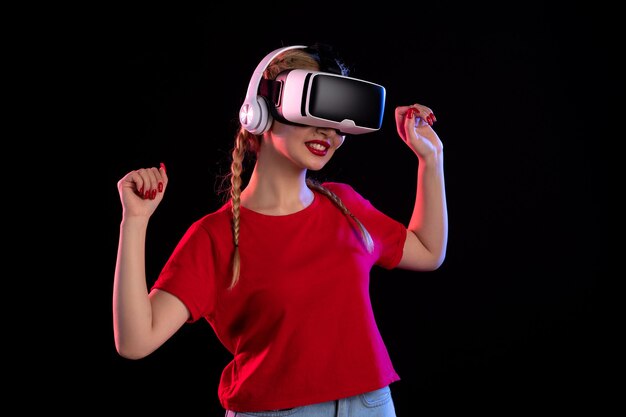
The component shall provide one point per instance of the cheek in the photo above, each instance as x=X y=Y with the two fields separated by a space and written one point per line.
x=339 y=141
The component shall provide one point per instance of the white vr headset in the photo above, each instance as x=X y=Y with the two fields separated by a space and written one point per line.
x=311 y=98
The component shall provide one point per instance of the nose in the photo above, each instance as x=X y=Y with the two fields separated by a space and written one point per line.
x=334 y=135
x=328 y=131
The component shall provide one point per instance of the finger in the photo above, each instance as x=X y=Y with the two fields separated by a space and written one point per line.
x=136 y=182
x=146 y=182
x=410 y=117
x=401 y=112
x=163 y=182
x=423 y=109
x=427 y=114
x=156 y=182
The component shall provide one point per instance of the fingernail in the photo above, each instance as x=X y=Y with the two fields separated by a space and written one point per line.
x=163 y=166
x=146 y=195
x=409 y=113
x=160 y=186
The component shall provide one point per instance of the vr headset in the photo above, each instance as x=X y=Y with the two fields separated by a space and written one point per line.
x=311 y=98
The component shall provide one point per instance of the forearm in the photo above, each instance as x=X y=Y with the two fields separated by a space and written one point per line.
x=429 y=221
x=132 y=311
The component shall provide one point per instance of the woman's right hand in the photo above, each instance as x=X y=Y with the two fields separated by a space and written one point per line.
x=142 y=190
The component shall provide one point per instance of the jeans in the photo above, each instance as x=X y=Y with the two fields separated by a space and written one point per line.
x=377 y=403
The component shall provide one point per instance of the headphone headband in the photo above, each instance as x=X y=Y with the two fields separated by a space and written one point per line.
x=254 y=114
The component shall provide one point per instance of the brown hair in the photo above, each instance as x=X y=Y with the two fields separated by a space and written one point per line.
x=246 y=142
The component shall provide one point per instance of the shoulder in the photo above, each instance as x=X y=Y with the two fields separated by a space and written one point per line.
x=341 y=188
x=345 y=192
x=212 y=229
x=215 y=221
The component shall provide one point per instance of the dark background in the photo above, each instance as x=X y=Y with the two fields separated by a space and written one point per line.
x=523 y=95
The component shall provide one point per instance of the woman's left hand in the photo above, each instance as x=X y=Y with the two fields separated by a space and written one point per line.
x=414 y=124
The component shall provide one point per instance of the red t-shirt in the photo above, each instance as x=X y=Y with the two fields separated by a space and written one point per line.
x=299 y=322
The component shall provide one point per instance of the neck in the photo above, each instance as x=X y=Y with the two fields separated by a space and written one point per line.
x=276 y=190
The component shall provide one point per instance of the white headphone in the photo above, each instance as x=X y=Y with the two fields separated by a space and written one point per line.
x=254 y=114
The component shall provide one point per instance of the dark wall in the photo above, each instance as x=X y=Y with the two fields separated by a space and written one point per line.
x=513 y=318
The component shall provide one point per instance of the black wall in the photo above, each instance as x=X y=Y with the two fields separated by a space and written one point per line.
x=512 y=320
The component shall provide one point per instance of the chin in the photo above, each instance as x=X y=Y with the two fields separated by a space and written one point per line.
x=315 y=167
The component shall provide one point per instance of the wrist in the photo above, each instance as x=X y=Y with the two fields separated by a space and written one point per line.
x=134 y=221
x=434 y=158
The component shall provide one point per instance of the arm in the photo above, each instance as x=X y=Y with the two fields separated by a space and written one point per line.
x=425 y=246
x=141 y=321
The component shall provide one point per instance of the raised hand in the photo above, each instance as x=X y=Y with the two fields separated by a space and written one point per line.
x=142 y=190
x=414 y=124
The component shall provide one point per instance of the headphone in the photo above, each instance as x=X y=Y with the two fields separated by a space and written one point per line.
x=254 y=114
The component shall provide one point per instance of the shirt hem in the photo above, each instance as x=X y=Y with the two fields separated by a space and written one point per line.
x=243 y=408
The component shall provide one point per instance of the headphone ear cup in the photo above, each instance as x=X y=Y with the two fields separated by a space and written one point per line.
x=265 y=121
x=249 y=115
x=255 y=116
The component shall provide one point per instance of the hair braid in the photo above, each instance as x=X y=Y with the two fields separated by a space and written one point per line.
x=365 y=235
x=236 y=169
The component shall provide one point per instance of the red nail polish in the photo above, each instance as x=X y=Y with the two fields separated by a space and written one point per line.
x=146 y=195
x=160 y=187
x=409 y=113
x=141 y=191
x=163 y=166
x=153 y=194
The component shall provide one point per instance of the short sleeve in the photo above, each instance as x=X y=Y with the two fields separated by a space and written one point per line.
x=388 y=234
x=189 y=273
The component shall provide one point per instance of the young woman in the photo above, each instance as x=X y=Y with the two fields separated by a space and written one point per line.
x=281 y=271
